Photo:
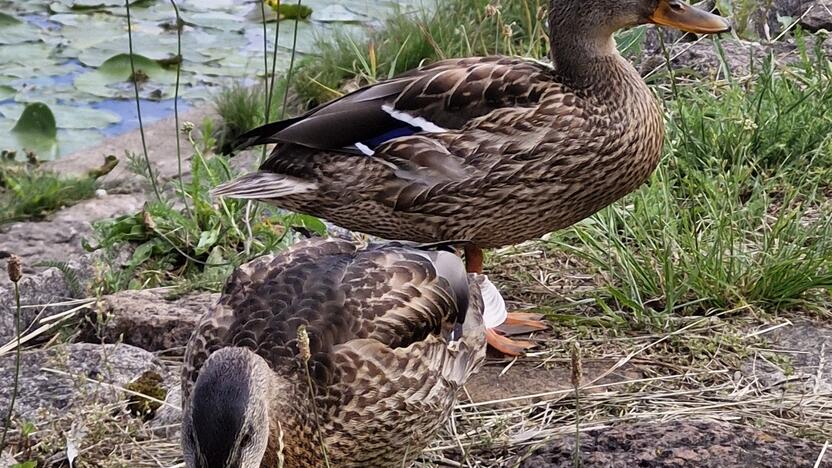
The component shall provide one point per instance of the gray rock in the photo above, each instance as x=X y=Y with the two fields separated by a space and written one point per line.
x=686 y=443
x=819 y=17
x=807 y=346
x=6 y=460
x=161 y=139
x=41 y=290
x=59 y=237
x=148 y=320
x=168 y=417
x=85 y=365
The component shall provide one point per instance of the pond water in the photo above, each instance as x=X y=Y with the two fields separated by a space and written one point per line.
x=72 y=55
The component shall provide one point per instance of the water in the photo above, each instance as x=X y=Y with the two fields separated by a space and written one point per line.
x=54 y=55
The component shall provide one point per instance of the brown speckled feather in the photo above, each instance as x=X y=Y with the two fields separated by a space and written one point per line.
x=378 y=320
x=519 y=153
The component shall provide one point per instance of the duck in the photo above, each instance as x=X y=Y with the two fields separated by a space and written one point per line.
x=331 y=354
x=490 y=151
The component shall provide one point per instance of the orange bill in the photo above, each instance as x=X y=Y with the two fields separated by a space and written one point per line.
x=679 y=15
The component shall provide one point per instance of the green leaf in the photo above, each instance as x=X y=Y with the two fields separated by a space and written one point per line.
x=37 y=120
x=7 y=92
x=309 y=222
x=293 y=11
x=8 y=20
x=207 y=240
x=26 y=464
x=73 y=117
x=631 y=41
x=14 y=31
x=114 y=78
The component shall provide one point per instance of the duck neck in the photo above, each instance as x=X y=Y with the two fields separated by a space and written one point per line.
x=586 y=60
x=294 y=437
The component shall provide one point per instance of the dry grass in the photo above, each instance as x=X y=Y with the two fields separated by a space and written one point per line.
x=713 y=367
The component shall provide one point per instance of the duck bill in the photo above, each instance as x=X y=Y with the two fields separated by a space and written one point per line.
x=680 y=15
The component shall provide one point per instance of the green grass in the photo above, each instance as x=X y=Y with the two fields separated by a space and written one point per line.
x=192 y=246
x=28 y=192
x=738 y=213
x=242 y=108
x=458 y=28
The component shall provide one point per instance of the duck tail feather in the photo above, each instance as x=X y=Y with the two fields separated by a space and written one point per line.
x=263 y=185
x=263 y=134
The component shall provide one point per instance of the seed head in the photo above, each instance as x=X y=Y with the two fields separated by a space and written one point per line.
x=577 y=367
x=303 y=343
x=13 y=266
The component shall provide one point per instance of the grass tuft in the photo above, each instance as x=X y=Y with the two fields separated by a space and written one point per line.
x=197 y=248
x=29 y=192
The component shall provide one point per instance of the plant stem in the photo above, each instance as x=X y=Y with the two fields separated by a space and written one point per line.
x=138 y=104
x=305 y=355
x=8 y=420
x=179 y=25
x=291 y=64
x=270 y=82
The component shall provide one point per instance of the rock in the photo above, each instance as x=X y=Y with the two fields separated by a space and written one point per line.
x=819 y=17
x=86 y=366
x=684 y=443
x=41 y=289
x=7 y=460
x=169 y=416
x=808 y=348
x=59 y=237
x=703 y=58
x=161 y=139
x=147 y=320
x=524 y=378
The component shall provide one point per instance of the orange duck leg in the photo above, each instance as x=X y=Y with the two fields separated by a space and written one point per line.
x=516 y=323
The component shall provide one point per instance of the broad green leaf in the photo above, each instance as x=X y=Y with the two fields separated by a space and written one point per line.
x=38 y=121
x=7 y=92
x=309 y=222
x=114 y=78
x=70 y=116
x=8 y=20
x=207 y=240
x=15 y=31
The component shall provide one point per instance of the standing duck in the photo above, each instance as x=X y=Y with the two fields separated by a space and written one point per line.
x=492 y=151
x=379 y=376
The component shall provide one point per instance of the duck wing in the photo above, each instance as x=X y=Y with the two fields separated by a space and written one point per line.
x=439 y=97
x=389 y=298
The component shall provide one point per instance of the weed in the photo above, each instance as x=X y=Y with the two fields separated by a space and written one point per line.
x=29 y=192
x=241 y=109
x=459 y=28
x=735 y=215
x=200 y=246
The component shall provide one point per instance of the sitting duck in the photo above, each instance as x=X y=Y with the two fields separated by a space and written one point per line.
x=490 y=151
x=331 y=355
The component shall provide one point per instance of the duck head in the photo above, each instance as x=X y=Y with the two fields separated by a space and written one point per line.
x=604 y=17
x=226 y=422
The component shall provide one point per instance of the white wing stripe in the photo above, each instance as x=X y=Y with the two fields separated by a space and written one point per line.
x=414 y=121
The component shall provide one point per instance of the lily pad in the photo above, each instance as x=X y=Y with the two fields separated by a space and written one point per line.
x=34 y=130
x=37 y=120
x=7 y=92
x=15 y=31
x=8 y=20
x=114 y=78
x=70 y=117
